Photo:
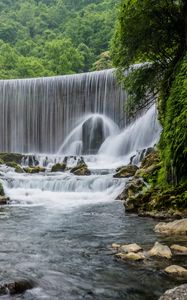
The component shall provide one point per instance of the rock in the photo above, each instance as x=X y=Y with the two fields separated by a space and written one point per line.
x=125 y=171
x=179 y=248
x=1 y=162
x=160 y=251
x=130 y=256
x=3 y=200
x=16 y=287
x=130 y=248
x=176 y=270
x=132 y=188
x=116 y=246
x=34 y=170
x=178 y=293
x=58 y=167
x=178 y=227
x=2 y=193
x=81 y=168
x=11 y=157
x=18 y=168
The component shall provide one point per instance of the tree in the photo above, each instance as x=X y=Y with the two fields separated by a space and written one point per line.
x=153 y=32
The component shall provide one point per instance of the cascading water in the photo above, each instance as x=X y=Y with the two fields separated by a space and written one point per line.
x=38 y=114
x=64 y=221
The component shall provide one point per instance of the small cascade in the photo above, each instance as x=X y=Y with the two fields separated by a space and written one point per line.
x=88 y=135
x=141 y=134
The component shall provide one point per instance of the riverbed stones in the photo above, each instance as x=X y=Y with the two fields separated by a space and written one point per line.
x=178 y=293
x=160 y=250
x=130 y=256
x=125 y=171
x=176 y=270
x=179 y=248
x=116 y=246
x=130 y=248
x=16 y=287
x=177 y=227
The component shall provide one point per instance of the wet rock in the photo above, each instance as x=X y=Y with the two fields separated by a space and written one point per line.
x=160 y=250
x=130 y=248
x=126 y=171
x=176 y=270
x=81 y=169
x=130 y=256
x=2 y=193
x=133 y=187
x=58 y=167
x=18 y=168
x=11 y=157
x=116 y=246
x=16 y=287
x=1 y=162
x=34 y=170
x=178 y=227
x=178 y=293
x=3 y=200
x=178 y=248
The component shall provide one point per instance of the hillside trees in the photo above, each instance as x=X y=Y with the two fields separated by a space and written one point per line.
x=54 y=37
x=154 y=34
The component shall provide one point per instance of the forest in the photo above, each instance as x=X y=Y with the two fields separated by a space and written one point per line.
x=54 y=37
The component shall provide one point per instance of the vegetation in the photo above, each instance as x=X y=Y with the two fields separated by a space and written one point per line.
x=155 y=32
x=53 y=37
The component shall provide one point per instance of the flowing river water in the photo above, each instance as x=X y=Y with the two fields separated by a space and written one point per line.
x=58 y=229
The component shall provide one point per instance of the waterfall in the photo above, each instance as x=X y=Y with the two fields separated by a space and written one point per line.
x=38 y=114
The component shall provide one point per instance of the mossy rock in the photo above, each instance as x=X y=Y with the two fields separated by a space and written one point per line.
x=2 y=193
x=34 y=170
x=125 y=171
x=11 y=157
x=58 y=167
x=18 y=168
x=2 y=162
x=81 y=169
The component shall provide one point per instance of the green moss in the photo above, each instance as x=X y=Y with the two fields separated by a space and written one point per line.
x=1 y=162
x=173 y=143
x=2 y=193
x=34 y=170
x=11 y=157
x=58 y=167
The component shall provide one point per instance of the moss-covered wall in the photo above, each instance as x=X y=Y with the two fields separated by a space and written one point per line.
x=173 y=143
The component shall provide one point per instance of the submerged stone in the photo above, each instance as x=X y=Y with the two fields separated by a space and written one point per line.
x=130 y=256
x=16 y=287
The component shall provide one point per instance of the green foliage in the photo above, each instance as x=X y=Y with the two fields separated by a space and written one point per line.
x=173 y=142
x=148 y=31
x=53 y=37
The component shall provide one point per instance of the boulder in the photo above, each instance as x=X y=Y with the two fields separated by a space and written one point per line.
x=132 y=188
x=34 y=170
x=178 y=227
x=178 y=293
x=176 y=270
x=81 y=169
x=130 y=256
x=160 y=250
x=178 y=248
x=16 y=287
x=11 y=157
x=130 y=248
x=18 y=168
x=125 y=171
x=3 y=200
x=58 y=167
x=2 y=193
